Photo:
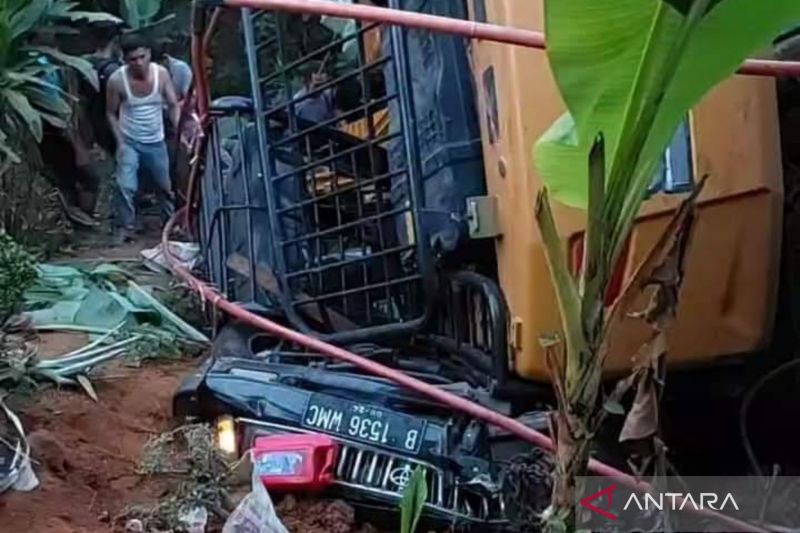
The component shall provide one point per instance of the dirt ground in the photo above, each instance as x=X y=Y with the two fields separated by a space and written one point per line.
x=86 y=452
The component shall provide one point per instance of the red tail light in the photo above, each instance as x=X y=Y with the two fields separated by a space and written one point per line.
x=295 y=462
x=617 y=277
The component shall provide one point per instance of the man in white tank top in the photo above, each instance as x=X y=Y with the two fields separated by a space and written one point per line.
x=136 y=96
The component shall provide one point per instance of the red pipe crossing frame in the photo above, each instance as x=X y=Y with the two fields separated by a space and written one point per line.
x=464 y=28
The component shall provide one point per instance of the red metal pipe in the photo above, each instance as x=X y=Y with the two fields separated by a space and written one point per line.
x=212 y=26
x=466 y=28
x=771 y=67
x=201 y=40
x=463 y=28
x=209 y=294
x=198 y=47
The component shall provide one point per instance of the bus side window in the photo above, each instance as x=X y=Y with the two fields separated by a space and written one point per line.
x=676 y=172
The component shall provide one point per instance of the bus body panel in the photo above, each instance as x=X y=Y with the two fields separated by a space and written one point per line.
x=729 y=294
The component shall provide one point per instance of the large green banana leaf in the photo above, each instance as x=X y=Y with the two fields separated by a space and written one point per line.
x=79 y=64
x=138 y=13
x=24 y=16
x=631 y=69
x=64 y=9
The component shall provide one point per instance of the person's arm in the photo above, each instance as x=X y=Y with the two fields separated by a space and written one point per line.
x=184 y=84
x=173 y=108
x=113 y=101
x=83 y=156
x=83 y=136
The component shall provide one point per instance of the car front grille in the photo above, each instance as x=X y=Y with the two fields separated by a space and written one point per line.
x=385 y=475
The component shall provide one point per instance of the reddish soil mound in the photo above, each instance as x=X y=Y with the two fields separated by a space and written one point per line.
x=319 y=516
x=87 y=452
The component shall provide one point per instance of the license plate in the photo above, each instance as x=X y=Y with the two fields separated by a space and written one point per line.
x=364 y=423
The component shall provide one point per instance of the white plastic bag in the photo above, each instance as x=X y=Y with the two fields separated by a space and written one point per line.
x=255 y=514
x=18 y=475
x=194 y=520
x=187 y=253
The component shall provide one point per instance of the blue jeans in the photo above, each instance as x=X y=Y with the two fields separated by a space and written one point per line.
x=131 y=157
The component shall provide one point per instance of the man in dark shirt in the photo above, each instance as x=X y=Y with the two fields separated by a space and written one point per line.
x=66 y=156
x=105 y=60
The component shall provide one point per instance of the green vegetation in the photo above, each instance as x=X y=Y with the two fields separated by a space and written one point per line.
x=628 y=71
x=139 y=13
x=29 y=98
x=17 y=273
x=413 y=501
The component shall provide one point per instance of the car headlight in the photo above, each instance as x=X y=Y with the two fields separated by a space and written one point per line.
x=227 y=441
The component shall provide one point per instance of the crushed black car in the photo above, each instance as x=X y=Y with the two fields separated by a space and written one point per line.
x=383 y=431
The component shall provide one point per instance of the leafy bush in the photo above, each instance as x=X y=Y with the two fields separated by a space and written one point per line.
x=27 y=99
x=17 y=273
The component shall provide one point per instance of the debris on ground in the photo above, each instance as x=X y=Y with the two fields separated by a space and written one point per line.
x=186 y=455
x=86 y=453
x=16 y=471
x=319 y=516
x=186 y=253
x=88 y=325
x=121 y=318
x=98 y=299
x=206 y=489
x=527 y=486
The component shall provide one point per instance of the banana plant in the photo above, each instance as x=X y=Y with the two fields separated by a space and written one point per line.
x=139 y=14
x=28 y=97
x=628 y=71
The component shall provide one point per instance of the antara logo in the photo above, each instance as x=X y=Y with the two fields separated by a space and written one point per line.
x=607 y=492
x=671 y=501
x=678 y=501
